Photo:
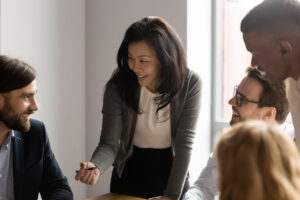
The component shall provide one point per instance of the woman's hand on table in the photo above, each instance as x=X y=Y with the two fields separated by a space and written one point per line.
x=160 y=198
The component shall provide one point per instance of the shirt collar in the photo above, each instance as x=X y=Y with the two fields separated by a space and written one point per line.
x=7 y=141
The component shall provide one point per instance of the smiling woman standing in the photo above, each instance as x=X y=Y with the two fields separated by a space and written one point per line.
x=150 y=109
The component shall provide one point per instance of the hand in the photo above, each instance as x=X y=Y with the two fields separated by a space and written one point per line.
x=160 y=198
x=87 y=176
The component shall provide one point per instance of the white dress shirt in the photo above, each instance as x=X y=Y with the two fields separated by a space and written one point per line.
x=6 y=169
x=205 y=187
x=293 y=95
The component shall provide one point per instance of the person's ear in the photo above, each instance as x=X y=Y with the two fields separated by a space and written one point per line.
x=285 y=48
x=269 y=113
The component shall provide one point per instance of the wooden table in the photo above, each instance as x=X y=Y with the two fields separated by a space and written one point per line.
x=112 y=196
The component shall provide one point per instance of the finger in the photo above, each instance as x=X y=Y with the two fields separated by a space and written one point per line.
x=155 y=198
x=79 y=174
x=96 y=172
x=95 y=179
x=85 y=176
x=89 y=178
x=83 y=165
x=90 y=164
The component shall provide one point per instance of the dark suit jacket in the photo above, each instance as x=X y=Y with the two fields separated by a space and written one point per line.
x=35 y=167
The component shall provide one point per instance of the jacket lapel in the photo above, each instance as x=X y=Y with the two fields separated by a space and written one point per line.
x=18 y=164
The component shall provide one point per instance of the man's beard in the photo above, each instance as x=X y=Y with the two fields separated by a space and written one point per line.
x=12 y=119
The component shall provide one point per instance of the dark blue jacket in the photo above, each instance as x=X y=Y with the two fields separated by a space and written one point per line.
x=35 y=168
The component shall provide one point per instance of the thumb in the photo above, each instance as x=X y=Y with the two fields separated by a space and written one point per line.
x=83 y=165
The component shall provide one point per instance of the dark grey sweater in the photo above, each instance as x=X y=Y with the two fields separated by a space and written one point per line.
x=118 y=126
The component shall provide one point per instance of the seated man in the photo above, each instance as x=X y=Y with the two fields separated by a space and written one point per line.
x=254 y=99
x=27 y=164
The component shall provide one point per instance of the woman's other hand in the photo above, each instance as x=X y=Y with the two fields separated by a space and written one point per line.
x=160 y=198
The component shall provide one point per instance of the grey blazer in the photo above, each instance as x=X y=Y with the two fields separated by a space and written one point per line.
x=118 y=126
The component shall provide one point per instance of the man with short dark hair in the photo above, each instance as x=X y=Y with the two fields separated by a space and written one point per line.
x=271 y=34
x=27 y=164
x=254 y=99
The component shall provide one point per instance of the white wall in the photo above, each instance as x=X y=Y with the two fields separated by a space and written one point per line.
x=199 y=59
x=50 y=36
x=107 y=22
x=73 y=46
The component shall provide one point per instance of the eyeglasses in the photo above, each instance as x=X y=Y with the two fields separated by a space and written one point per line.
x=239 y=98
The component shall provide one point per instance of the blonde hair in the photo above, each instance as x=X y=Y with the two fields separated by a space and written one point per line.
x=258 y=162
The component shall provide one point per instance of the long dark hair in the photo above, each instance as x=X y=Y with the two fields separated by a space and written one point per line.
x=157 y=33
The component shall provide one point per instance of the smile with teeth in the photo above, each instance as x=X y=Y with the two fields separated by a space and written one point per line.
x=235 y=113
x=141 y=76
x=26 y=116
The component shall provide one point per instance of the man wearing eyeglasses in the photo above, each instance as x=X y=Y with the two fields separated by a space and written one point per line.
x=254 y=98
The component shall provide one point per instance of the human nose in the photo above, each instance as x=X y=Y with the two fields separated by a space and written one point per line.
x=232 y=101
x=34 y=105
x=136 y=67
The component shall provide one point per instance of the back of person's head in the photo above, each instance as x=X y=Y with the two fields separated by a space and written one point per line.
x=272 y=95
x=272 y=15
x=163 y=39
x=14 y=74
x=257 y=161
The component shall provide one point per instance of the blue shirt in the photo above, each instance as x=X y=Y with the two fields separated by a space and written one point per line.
x=6 y=169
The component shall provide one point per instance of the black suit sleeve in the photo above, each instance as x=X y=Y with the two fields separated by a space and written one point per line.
x=54 y=183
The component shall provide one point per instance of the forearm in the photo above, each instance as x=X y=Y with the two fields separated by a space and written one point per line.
x=205 y=188
x=112 y=124
x=185 y=133
x=58 y=190
x=177 y=179
x=103 y=157
x=197 y=193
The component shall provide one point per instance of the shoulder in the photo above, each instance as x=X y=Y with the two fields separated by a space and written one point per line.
x=112 y=91
x=36 y=124
x=37 y=130
x=193 y=82
x=112 y=100
x=194 y=78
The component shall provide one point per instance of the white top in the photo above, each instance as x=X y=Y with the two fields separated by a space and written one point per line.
x=293 y=95
x=205 y=187
x=152 y=130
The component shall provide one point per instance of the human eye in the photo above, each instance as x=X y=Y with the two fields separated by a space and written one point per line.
x=144 y=61
x=130 y=60
x=240 y=97
x=27 y=96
